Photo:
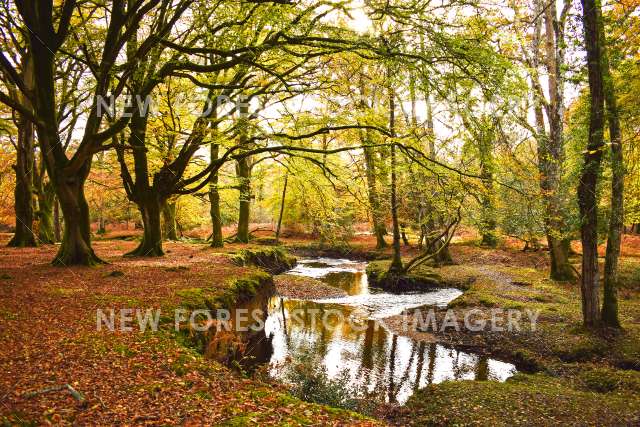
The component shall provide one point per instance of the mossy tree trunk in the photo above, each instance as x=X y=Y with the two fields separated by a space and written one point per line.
x=487 y=198
x=46 y=202
x=282 y=204
x=57 y=222
x=150 y=205
x=243 y=173
x=616 y=219
x=244 y=204
x=442 y=253
x=148 y=198
x=587 y=187
x=23 y=205
x=68 y=175
x=68 y=183
x=551 y=155
x=377 y=216
x=76 y=241
x=396 y=263
x=559 y=254
x=170 y=223
x=217 y=240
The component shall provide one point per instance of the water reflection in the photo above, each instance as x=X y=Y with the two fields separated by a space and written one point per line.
x=352 y=283
x=375 y=360
x=344 y=336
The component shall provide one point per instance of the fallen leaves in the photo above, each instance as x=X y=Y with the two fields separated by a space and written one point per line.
x=48 y=338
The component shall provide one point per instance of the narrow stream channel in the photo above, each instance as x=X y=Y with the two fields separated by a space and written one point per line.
x=354 y=342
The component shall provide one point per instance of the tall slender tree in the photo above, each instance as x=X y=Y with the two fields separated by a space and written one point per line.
x=396 y=262
x=587 y=191
x=551 y=152
x=616 y=218
x=243 y=174
x=25 y=163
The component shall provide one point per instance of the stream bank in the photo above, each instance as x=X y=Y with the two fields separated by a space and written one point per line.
x=346 y=335
x=569 y=375
x=381 y=362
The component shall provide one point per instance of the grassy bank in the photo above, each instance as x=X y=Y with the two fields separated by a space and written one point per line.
x=576 y=376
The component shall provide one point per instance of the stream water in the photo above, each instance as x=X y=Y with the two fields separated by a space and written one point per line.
x=354 y=343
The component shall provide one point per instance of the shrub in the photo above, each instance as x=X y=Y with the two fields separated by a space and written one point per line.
x=311 y=383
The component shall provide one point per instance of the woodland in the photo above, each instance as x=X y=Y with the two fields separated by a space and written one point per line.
x=184 y=154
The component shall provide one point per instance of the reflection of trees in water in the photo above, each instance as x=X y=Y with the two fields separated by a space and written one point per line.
x=367 y=348
x=482 y=368
x=365 y=368
x=432 y=363
x=392 y=366
x=284 y=321
x=407 y=372
x=461 y=367
x=322 y=323
x=374 y=361
x=349 y=282
x=419 y=365
x=374 y=350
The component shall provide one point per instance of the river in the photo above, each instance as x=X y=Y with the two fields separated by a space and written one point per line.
x=346 y=336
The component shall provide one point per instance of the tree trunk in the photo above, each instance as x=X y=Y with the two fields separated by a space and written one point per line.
x=284 y=196
x=76 y=242
x=24 y=235
x=57 y=226
x=150 y=207
x=75 y=248
x=396 y=262
x=169 y=220
x=243 y=172
x=217 y=240
x=553 y=158
x=377 y=217
x=403 y=234
x=559 y=254
x=377 y=214
x=102 y=226
x=46 y=201
x=440 y=247
x=551 y=145
x=488 y=214
x=616 y=220
x=587 y=196
x=148 y=198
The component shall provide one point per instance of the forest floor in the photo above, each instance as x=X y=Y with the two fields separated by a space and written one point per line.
x=49 y=338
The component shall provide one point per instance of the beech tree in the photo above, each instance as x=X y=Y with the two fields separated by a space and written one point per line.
x=49 y=27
